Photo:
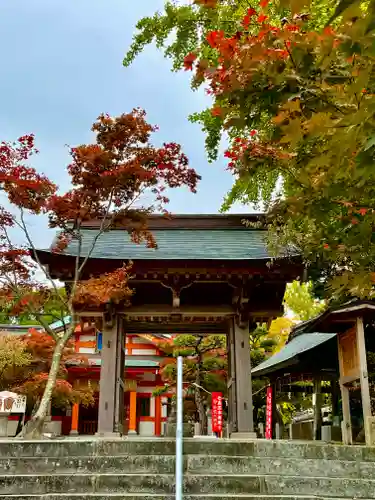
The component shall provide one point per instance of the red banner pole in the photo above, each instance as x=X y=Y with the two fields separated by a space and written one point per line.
x=269 y=413
x=217 y=412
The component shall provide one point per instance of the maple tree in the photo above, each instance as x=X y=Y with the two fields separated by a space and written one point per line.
x=51 y=312
x=204 y=366
x=25 y=364
x=292 y=88
x=119 y=180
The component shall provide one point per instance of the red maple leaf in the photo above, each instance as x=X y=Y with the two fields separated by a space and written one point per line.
x=216 y=111
x=189 y=61
x=264 y=3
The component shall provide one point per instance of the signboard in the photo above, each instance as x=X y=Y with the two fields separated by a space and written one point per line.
x=269 y=413
x=217 y=412
x=348 y=355
x=11 y=402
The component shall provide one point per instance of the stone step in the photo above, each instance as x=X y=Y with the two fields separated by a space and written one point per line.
x=153 y=464
x=164 y=484
x=195 y=464
x=160 y=446
x=135 y=496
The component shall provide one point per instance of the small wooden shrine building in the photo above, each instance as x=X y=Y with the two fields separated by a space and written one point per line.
x=209 y=274
x=334 y=347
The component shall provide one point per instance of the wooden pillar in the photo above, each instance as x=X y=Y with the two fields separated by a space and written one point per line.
x=365 y=389
x=347 y=434
x=318 y=409
x=120 y=377
x=132 y=412
x=231 y=381
x=108 y=373
x=75 y=419
x=157 y=429
x=243 y=386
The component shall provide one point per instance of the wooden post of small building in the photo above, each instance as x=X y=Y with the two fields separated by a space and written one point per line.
x=347 y=350
x=365 y=389
x=318 y=408
x=347 y=434
x=336 y=424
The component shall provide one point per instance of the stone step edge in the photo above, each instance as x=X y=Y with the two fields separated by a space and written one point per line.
x=158 y=456
x=152 y=496
x=167 y=496
x=186 y=475
x=185 y=456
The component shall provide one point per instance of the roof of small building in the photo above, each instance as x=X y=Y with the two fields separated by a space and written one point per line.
x=352 y=308
x=288 y=355
x=310 y=334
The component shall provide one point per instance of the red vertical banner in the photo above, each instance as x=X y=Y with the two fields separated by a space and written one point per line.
x=217 y=412
x=269 y=413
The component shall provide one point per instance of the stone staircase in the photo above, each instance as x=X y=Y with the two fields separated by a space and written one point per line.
x=131 y=469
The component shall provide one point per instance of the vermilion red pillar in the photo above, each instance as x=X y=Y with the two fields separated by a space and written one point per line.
x=157 y=416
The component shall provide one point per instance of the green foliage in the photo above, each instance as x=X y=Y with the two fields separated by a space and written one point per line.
x=261 y=345
x=181 y=29
x=300 y=301
x=13 y=357
x=318 y=93
x=312 y=109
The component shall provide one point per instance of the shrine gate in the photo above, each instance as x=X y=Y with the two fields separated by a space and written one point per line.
x=209 y=275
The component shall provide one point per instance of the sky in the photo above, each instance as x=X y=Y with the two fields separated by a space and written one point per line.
x=62 y=67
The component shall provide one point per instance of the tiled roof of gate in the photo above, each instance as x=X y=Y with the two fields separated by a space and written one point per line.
x=176 y=244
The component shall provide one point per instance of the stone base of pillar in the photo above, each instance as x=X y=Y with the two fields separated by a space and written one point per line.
x=132 y=433
x=243 y=436
x=73 y=433
x=108 y=435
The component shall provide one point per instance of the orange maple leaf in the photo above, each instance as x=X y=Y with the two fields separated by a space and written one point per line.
x=211 y=4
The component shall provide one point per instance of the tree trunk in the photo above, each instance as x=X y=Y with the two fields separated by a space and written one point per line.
x=197 y=393
x=34 y=427
x=201 y=411
x=198 y=398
